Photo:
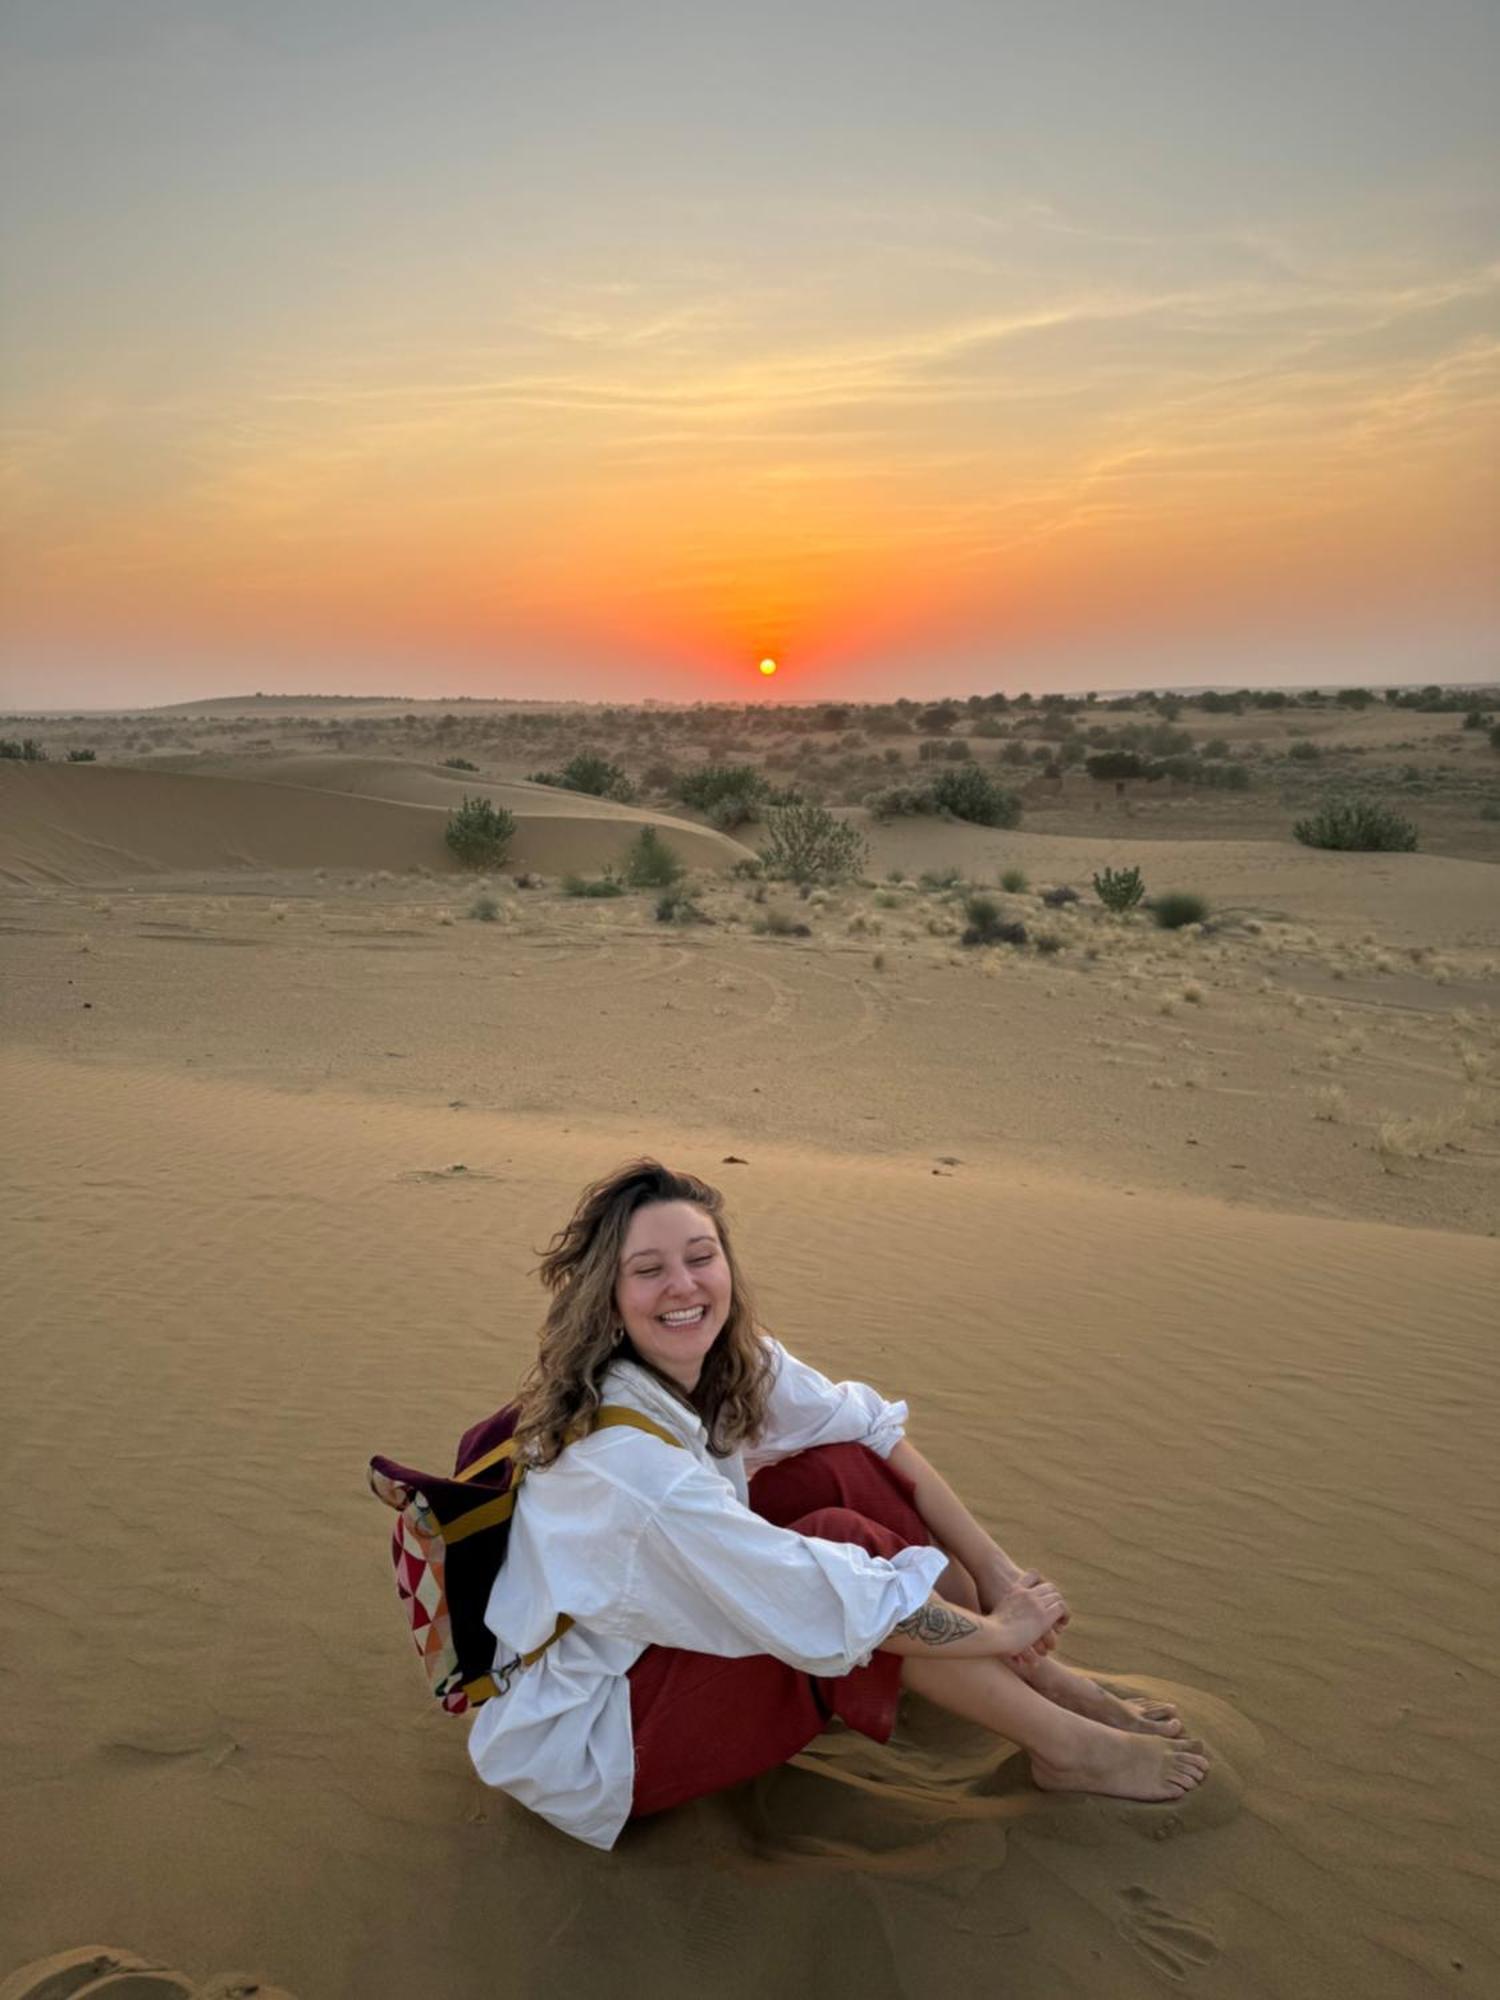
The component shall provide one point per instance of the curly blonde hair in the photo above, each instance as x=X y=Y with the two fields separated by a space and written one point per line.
x=576 y=1345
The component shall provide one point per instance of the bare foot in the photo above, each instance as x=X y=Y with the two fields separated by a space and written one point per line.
x=1123 y=1766
x=1077 y=1693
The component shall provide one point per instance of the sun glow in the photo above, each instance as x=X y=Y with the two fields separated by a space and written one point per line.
x=768 y=666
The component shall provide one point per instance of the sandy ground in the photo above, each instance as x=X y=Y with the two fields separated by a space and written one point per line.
x=1181 y=1247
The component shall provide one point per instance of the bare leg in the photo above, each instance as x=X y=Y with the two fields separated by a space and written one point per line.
x=1068 y=1752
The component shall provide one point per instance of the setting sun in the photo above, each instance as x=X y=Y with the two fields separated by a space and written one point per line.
x=768 y=666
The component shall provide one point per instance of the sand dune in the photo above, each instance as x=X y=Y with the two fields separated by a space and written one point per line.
x=1181 y=1246
x=101 y=823
x=1235 y=1436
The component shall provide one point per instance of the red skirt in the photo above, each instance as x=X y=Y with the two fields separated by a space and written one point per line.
x=702 y=1722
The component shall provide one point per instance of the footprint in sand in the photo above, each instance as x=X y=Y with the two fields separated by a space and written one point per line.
x=1174 y=1945
x=103 y=1972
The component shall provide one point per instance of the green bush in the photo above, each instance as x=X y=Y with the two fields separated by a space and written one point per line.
x=592 y=774
x=1117 y=764
x=1177 y=908
x=1304 y=753
x=968 y=794
x=479 y=833
x=729 y=814
x=649 y=862
x=1119 y=889
x=987 y=925
x=704 y=788
x=458 y=764
x=1013 y=881
x=484 y=909
x=27 y=751
x=1358 y=825
x=898 y=802
x=1495 y=737
x=676 y=906
x=780 y=923
x=807 y=844
x=580 y=885
x=81 y=756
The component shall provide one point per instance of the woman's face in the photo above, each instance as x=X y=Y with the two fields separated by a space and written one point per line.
x=673 y=1291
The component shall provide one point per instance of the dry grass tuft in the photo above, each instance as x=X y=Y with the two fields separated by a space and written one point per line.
x=1398 y=1138
x=1331 y=1105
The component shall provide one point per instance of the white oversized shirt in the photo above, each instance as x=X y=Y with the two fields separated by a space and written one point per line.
x=641 y=1545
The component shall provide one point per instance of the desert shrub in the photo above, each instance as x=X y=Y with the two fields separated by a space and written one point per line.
x=898 y=801
x=479 y=833
x=1117 y=764
x=1490 y=809
x=969 y=794
x=939 y=878
x=607 y=884
x=458 y=764
x=649 y=862
x=1475 y=718
x=704 y=788
x=1119 y=889
x=986 y=924
x=484 y=910
x=1013 y=880
x=1225 y=777
x=1304 y=753
x=27 y=751
x=586 y=771
x=676 y=906
x=81 y=756
x=807 y=844
x=780 y=923
x=731 y=813
x=1357 y=825
x=1495 y=737
x=1060 y=897
x=1047 y=942
x=1177 y=908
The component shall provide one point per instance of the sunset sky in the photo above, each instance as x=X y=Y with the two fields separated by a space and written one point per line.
x=580 y=348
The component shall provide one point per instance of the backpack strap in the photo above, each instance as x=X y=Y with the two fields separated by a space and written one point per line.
x=609 y=1416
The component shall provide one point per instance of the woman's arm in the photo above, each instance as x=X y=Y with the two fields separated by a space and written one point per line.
x=954 y=1527
x=1011 y=1632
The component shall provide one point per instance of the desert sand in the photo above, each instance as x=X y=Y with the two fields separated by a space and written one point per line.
x=1180 y=1245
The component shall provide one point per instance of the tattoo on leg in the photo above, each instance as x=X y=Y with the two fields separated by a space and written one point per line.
x=936 y=1625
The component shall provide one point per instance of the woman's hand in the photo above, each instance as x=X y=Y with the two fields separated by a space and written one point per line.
x=1001 y=1581
x=1026 y=1617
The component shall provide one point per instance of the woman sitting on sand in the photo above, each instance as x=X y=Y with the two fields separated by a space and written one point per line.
x=783 y=1555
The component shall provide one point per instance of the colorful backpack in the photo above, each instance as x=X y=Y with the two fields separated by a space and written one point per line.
x=449 y=1541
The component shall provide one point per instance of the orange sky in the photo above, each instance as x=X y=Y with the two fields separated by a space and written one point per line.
x=440 y=358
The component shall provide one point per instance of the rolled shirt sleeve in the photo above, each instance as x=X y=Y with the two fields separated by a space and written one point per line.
x=707 y=1574
x=805 y=1409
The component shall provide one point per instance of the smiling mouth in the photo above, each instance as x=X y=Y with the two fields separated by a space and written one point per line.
x=692 y=1318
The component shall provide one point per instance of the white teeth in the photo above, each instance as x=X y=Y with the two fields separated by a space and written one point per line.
x=682 y=1318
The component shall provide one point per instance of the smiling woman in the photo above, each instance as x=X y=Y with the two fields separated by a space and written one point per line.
x=717 y=1550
